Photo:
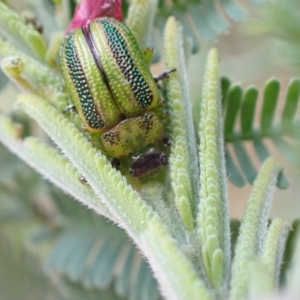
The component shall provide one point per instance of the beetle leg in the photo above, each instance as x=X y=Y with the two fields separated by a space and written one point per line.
x=165 y=74
x=83 y=180
x=115 y=162
x=166 y=141
x=70 y=108
x=85 y=129
x=148 y=53
x=165 y=114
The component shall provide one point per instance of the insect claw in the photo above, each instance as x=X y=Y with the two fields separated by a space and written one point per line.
x=165 y=74
x=70 y=108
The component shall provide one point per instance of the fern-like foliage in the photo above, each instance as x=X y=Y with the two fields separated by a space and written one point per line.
x=240 y=108
x=279 y=24
x=23 y=269
x=201 y=20
x=89 y=254
x=104 y=255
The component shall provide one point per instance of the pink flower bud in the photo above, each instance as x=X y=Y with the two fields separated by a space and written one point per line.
x=88 y=10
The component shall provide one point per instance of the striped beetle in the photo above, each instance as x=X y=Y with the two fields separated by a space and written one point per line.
x=115 y=93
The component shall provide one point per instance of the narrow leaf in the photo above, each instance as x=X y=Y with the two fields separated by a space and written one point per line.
x=248 y=110
x=39 y=73
x=28 y=34
x=245 y=161
x=122 y=284
x=253 y=228
x=294 y=269
x=273 y=248
x=287 y=149
x=168 y=253
x=3 y=80
x=214 y=16
x=150 y=291
x=234 y=10
x=225 y=85
x=264 y=283
x=213 y=221
x=233 y=105
x=282 y=181
x=187 y=31
x=263 y=153
x=199 y=17
x=140 y=20
x=233 y=173
x=289 y=251
x=234 y=230
x=258 y=1
x=50 y=163
x=76 y=270
x=101 y=271
x=45 y=10
x=183 y=159
x=140 y=281
x=291 y=102
x=261 y=150
x=271 y=93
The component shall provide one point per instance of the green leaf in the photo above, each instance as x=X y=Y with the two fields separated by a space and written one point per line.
x=261 y=150
x=234 y=231
x=271 y=93
x=90 y=251
x=248 y=109
x=48 y=161
x=45 y=12
x=183 y=159
x=245 y=162
x=40 y=74
x=287 y=149
x=294 y=267
x=262 y=284
x=213 y=222
x=225 y=85
x=234 y=10
x=24 y=32
x=285 y=135
x=290 y=247
x=234 y=99
x=214 y=16
x=232 y=170
x=3 y=80
x=291 y=102
x=140 y=20
x=253 y=228
x=23 y=270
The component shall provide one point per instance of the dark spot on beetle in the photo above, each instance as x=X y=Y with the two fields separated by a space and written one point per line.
x=111 y=137
x=122 y=116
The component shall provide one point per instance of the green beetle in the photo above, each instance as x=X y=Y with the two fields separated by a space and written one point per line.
x=114 y=92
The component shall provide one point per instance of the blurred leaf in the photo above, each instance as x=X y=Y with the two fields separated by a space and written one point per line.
x=3 y=80
x=284 y=134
